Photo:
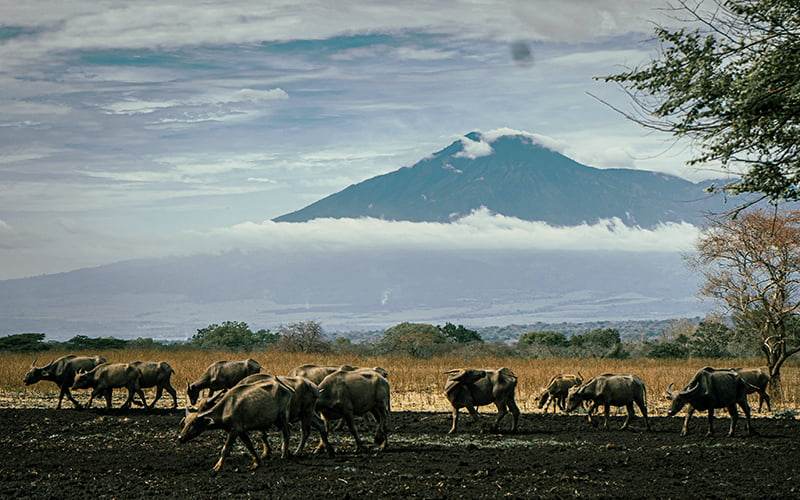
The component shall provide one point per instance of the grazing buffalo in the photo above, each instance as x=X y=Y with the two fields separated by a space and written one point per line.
x=246 y=407
x=104 y=378
x=345 y=394
x=221 y=375
x=157 y=374
x=709 y=389
x=62 y=371
x=557 y=390
x=758 y=378
x=302 y=408
x=610 y=390
x=468 y=388
x=316 y=373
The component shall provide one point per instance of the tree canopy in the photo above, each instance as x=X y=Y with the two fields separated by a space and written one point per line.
x=727 y=80
x=415 y=339
x=234 y=335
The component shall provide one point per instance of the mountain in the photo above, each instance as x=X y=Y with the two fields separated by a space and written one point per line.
x=516 y=176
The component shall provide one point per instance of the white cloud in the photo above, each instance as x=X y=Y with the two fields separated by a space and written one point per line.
x=479 y=230
x=473 y=149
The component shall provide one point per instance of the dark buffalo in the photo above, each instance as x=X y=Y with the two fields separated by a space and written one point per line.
x=468 y=388
x=62 y=371
x=347 y=393
x=610 y=390
x=758 y=378
x=102 y=379
x=316 y=373
x=157 y=374
x=709 y=389
x=220 y=376
x=256 y=406
x=302 y=408
x=557 y=390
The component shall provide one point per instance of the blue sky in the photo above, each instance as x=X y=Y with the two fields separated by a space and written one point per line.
x=149 y=129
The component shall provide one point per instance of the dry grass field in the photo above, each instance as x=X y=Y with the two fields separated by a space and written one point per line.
x=416 y=384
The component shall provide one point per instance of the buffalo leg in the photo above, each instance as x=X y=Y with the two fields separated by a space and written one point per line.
x=512 y=406
x=685 y=428
x=318 y=424
x=172 y=392
x=643 y=408
x=592 y=408
x=501 y=412
x=265 y=443
x=711 y=422
x=226 y=450
x=606 y=414
x=746 y=409
x=159 y=391
x=248 y=443
x=455 y=421
x=734 y=413
x=283 y=424
x=65 y=391
x=628 y=407
x=348 y=419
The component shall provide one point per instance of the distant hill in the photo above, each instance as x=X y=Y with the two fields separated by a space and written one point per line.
x=516 y=176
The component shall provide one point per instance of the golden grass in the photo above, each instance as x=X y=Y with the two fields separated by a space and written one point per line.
x=416 y=384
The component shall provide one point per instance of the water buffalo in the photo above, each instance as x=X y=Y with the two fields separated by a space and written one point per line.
x=221 y=375
x=709 y=389
x=610 y=390
x=758 y=378
x=345 y=394
x=157 y=374
x=302 y=408
x=557 y=390
x=62 y=371
x=107 y=376
x=243 y=408
x=316 y=373
x=468 y=388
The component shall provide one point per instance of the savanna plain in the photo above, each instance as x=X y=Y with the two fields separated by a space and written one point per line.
x=49 y=453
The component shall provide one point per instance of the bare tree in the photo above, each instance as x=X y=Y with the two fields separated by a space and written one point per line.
x=305 y=336
x=751 y=266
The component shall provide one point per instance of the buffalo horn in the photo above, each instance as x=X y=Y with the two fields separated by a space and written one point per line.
x=669 y=390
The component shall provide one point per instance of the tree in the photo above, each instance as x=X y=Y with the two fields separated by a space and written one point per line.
x=676 y=349
x=598 y=343
x=23 y=342
x=710 y=340
x=751 y=266
x=86 y=343
x=304 y=336
x=543 y=342
x=232 y=335
x=459 y=334
x=415 y=339
x=728 y=81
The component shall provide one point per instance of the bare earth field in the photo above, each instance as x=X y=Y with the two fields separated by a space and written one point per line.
x=98 y=453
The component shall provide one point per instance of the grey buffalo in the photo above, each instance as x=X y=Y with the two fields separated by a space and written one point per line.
x=62 y=371
x=610 y=390
x=103 y=379
x=302 y=408
x=345 y=394
x=468 y=388
x=220 y=376
x=246 y=407
x=758 y=378
x=557 y=390
x=710 y=389
x=157 y=374
x=316 y=373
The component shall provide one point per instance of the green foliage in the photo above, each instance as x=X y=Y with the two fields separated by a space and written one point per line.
x=459 y=334
x=415 y=339
x=23 y=342
x=729 y=83
x=304 y=336
x=144 y=344
x=710 y=340
x=545 y=338
x=677 y=349
x=598 y=343
x=82 y=342
x=231 y=335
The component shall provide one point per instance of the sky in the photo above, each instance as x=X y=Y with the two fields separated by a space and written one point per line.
x=149 y=129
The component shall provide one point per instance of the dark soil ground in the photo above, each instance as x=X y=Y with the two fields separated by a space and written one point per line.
x=48 y=453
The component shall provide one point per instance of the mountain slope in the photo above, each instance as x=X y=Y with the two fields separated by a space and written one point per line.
x=515 y=176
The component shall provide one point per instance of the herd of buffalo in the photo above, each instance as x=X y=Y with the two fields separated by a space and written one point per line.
x=240 y=399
